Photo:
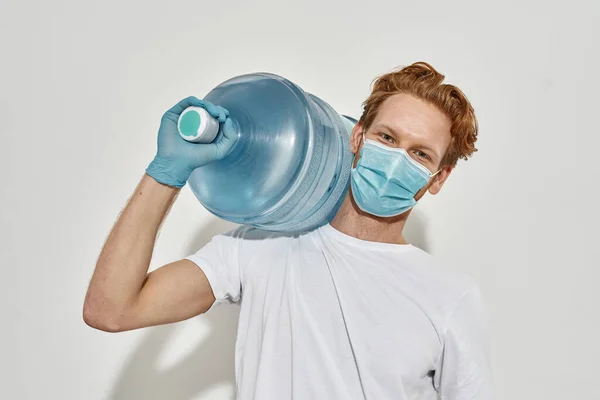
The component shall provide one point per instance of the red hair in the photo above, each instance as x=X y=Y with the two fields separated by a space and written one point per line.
x=422 y=81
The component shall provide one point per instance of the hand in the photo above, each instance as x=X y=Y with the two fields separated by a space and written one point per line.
x=176 y=158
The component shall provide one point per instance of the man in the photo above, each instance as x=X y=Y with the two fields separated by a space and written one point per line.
x=347 y=311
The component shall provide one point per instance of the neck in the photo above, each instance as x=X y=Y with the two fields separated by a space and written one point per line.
x=352 y=221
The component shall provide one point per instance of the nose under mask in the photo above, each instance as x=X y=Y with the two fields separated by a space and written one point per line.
x=386 y=180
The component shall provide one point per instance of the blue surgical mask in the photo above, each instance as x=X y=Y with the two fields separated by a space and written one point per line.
x=386 y=180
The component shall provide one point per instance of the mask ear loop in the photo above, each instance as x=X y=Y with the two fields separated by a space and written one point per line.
x=438 y=171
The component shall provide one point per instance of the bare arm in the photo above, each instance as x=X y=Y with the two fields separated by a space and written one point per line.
x=122 y=295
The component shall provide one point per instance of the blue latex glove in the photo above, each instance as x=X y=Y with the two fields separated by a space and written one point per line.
x=176 y=158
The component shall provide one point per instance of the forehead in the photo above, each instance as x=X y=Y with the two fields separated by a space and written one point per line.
x=407 y=115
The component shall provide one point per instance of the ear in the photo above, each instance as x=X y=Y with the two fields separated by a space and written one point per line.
x=435 y=184
x=356 y=138
x=438 y=181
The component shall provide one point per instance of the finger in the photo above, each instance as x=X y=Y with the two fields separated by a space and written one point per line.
x=217 y=112
x=229 y=130
x=223 y=114
x=228 y=140
x=185 y=103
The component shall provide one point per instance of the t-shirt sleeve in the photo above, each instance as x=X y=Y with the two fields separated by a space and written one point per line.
x=465 y=372
x=220 y=261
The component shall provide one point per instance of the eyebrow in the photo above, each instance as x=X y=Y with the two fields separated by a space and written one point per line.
x=423 y=146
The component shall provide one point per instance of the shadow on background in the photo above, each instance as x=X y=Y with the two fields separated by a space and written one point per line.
x=209 y=364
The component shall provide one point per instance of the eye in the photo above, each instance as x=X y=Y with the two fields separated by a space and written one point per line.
x=387 y=138
x=422 y=155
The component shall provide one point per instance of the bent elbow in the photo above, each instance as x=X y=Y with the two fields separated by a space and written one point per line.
x=100 y=321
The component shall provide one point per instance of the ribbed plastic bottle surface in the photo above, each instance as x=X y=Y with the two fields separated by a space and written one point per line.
x=290 y=167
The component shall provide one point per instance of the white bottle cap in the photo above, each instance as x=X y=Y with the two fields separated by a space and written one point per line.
x=196 y=125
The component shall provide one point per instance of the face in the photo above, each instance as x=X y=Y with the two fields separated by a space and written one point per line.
x=406 y=122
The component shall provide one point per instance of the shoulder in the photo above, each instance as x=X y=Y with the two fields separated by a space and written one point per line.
x=443 y=275
x=460 y=302
x=447 y=285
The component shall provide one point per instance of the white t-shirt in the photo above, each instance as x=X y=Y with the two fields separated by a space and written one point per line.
x=325 y=315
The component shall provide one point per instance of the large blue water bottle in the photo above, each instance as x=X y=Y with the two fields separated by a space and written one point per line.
x=290 y=167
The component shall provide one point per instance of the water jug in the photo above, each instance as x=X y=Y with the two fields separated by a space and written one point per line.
x=290 y=167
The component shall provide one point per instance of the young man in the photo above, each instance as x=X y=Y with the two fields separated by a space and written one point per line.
x=347 y=311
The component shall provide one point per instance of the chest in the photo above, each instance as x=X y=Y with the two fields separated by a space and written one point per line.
x=331 y=304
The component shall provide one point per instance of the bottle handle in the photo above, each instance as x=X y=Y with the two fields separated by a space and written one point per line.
x=196 y=125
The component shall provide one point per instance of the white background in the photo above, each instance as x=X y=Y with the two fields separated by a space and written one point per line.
x=83 y=86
